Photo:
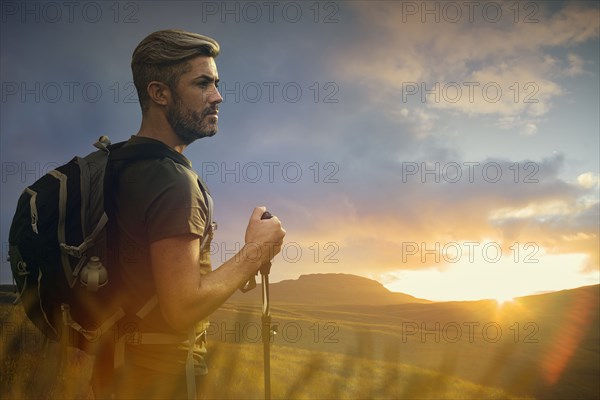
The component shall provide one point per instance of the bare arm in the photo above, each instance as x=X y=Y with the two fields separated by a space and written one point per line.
x=184 y=295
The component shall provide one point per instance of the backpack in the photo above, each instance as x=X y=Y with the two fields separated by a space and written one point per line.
x=59 y=247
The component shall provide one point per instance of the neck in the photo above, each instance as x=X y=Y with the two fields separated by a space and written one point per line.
x=159 y=129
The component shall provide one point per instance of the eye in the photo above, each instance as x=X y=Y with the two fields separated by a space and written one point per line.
x=206 y=84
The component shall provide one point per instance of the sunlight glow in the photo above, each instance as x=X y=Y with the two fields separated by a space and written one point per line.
x=502 y=280
x=568 y=338
x=502 y=300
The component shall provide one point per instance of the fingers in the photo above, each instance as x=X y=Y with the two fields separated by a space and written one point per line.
x=257 y=213
x=264 y=238
x=275 y=223
x=264 y=231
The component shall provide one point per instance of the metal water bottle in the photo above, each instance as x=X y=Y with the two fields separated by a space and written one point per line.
x=93 y=275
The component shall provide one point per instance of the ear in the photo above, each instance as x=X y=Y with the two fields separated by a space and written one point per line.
x=159 y=93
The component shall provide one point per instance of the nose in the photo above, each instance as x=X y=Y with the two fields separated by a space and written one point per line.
x=215 y=97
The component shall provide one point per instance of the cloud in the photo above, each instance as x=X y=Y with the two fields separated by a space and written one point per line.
x=529 y=129
x=421 y=121
x=588 y=180
x=575 y=65
x=433 y=211
x=474 y=67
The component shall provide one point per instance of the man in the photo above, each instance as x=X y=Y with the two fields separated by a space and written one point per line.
x=160 y=219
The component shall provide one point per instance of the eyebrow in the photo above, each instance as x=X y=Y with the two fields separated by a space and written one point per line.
x=205 y=77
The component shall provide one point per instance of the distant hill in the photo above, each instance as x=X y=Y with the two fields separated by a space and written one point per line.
x=332 y=289
x=546 y=307
x=543 y=346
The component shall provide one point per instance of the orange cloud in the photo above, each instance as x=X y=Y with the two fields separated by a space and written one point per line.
x=403 y=225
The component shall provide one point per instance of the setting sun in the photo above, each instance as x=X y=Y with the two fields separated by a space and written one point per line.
x=502 y=300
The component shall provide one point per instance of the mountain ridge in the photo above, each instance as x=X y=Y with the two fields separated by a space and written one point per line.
x=349 y=289
x=333 y=289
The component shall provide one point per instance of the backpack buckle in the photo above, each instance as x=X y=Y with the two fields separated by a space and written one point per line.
x=74 y=251
x=22 y=268
x=134 y=338
x=103 y=143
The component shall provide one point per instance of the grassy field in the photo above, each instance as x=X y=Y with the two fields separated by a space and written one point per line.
x=32 y=369
x=545 y=347
x=538 y=347
x=303 y=374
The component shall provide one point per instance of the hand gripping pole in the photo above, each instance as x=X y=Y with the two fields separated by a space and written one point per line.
x=266 y=330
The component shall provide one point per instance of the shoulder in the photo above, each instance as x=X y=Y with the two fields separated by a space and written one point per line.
x=167 y=169
x=159 y=175
x=157 y=162
x=164 y=197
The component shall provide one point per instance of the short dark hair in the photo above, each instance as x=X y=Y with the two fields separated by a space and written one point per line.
x=162 y=56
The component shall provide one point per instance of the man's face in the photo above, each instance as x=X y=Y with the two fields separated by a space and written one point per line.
x=193 y=112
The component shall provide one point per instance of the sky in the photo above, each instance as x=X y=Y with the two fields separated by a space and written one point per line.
x=448 y=150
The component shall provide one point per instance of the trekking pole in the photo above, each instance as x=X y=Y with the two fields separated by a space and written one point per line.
x=266 y=320
x=265 y=329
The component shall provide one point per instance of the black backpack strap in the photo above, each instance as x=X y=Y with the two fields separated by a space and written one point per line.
x=141 y=151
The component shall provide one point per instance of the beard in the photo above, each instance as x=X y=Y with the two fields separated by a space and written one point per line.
x=190 y=125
